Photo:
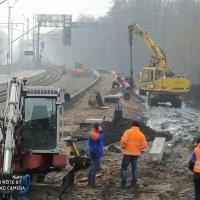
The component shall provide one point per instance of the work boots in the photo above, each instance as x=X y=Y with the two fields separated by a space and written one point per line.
x=92 y=185
x=123 y=185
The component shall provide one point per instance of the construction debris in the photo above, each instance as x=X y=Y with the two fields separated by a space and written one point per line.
x=95 y=100
x=112 y=98
x=114 y=148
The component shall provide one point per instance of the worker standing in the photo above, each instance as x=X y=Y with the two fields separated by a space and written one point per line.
x=126 y=85
x=95 y=142
x=118 y=113
x=126 y=89
x=132 y=143
x=194 y=164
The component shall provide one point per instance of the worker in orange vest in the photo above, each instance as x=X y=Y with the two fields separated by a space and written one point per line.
x=194 y=165
x=132 y=143
x=95 y=143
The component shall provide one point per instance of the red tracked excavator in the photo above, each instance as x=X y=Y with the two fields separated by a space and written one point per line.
x=33 y=151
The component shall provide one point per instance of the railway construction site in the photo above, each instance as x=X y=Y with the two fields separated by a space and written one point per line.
x=166 y=178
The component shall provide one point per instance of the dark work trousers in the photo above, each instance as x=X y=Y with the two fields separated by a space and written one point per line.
x=197 y=185
x=115 y=84
x=125 y=162
x=94 y=167
x=117 y=115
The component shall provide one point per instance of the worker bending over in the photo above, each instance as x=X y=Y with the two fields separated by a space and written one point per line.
x=195 y=162
x=132 y=143
x=116 y=81
x=95 y=142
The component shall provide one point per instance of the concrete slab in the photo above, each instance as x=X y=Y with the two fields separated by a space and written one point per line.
x=112 y=98
x=157 y=149
x=89 y=122
x=70 y=129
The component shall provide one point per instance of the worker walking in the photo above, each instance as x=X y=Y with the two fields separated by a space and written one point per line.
x=132 y=143
x=194 y=165
x=95 y=142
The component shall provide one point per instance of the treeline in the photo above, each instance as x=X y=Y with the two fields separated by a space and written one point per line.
x=174 y=24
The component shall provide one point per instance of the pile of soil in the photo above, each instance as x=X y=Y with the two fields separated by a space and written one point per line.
x=113 y=131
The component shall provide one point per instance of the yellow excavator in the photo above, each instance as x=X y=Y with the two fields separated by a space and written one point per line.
x=157 y=79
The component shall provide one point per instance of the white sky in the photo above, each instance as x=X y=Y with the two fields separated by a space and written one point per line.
x=27 y=8
x=75 y=7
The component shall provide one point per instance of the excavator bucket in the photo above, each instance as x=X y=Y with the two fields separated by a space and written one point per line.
x=95 y=100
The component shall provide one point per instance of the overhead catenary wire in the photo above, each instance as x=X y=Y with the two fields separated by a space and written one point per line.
x=2 y=2
x=25 y=33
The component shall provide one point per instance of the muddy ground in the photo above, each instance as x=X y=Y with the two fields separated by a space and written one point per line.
x=168 y=180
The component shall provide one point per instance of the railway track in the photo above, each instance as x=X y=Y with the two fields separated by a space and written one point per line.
x=51 y=75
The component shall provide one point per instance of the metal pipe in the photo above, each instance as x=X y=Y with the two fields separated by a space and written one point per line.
x=12 y=117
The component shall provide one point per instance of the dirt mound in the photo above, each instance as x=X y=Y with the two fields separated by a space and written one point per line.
x=113 y=131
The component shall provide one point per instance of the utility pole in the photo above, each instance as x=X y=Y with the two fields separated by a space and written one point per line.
x=27 y=39
x=11 y=45
x=131 y=57
x=8 y=45
x=38 y=41
x=33 y=43
x=27 y=21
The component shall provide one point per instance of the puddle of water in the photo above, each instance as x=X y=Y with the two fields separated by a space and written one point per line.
x=178 y=121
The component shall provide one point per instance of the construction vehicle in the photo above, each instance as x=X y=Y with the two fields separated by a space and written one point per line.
x=80 y=71
x=32 y=146
x=157 y=79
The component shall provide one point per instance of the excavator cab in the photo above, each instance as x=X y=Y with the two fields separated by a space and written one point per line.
x=40 y=114
x=40 y=123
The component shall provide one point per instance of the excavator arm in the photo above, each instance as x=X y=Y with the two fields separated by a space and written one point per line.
x=159 y=59
x=11 y=124
x=12 y=117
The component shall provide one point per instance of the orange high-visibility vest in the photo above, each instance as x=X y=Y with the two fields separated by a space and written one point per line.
x=133 y=142
x=197 y=161
x=94 y=134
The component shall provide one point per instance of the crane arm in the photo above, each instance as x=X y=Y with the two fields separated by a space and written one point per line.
x=159 y=55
